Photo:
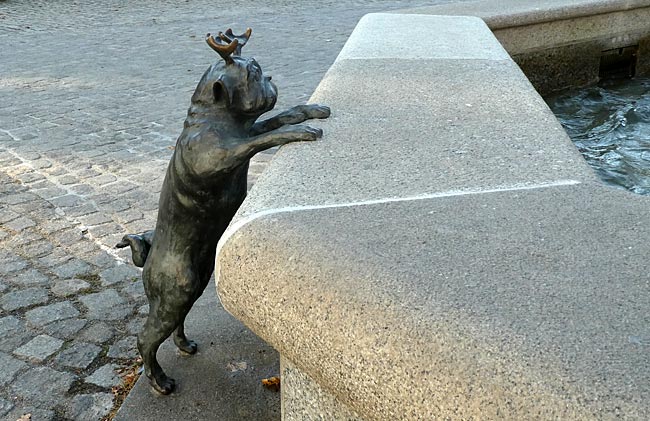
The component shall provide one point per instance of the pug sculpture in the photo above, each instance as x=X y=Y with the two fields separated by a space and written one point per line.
x=204 y=186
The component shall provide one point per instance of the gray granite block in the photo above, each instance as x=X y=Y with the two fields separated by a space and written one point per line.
x=119 y=273
x=124 y=349
x=9 y=367
x=13 y=333
x=23 y=298
x=106 y=305
x=98 y=332
x=78 y=355
x=69 y=287
x=51 y=313
x=43 y=385
x=106 y=376
x=39 y=348
x=64 y=329
x=90 y=407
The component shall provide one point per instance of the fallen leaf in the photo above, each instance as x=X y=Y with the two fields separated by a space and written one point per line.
x=272 y=383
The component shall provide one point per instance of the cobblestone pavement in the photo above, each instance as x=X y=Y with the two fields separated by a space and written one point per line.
x=92 y=96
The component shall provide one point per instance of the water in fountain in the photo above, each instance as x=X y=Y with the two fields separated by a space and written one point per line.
x=610 y=125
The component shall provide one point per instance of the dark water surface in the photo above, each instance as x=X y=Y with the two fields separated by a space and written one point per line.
x=610 y=125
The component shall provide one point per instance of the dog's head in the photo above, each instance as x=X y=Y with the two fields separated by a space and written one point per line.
x=237 y=84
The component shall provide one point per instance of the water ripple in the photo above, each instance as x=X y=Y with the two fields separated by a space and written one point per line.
x=610 y=125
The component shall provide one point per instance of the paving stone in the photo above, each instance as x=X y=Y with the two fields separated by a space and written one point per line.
x=77 y=211
x=126 y=348
x=41 y=316
x=106 y=305
x=70 y=236
x=11 y=263
x=43 y=385
x=30 y=277
x=14 y=199
x=99 y=333
x=23 y=298
x=7 y=215
x=73 y=268
x=37 y=248
x=105 y=376
x=135 y=326
x=39 y=348
x=24 y=411
x=50 y=192
x=9 y=367
x=67 y=201
x=65 y=329
x=90 y=407
x=3 y=287
x=67 y=179
x=144 y=310
x=69 y=287
x=79 y=355
x=13 y=333
x=5 y=407
x=20 y=224
x=134 y=289
x=57 y=257
x=119 y=273
x=97 y=218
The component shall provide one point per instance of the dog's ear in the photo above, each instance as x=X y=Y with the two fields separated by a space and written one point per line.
x=221 y=93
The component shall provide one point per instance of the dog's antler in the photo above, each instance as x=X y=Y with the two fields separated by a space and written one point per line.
x=242 y=39
x=224 y=50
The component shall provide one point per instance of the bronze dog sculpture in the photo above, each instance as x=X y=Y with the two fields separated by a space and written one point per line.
x=204 y=186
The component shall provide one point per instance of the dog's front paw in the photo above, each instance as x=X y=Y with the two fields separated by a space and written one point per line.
x=318 y=111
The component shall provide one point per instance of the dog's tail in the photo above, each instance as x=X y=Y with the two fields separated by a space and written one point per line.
x=140 y=245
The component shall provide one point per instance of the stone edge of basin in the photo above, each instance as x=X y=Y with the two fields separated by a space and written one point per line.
x=353 y=52
x=500 y=14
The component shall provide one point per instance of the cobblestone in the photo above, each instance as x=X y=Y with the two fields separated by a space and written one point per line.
x=79 y=355
x=23 y=298
x=9 y=367
x=41 y=316
x=69 y=287
x=65 y=329
x=90 y=407
x=124 y=349
x=83 y=157
x=39 y=348
x=106 y=305
x=105 y=376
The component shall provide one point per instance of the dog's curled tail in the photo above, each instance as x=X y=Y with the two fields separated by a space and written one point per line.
x=140 y=245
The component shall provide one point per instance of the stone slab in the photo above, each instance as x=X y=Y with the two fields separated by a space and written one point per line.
x=473 y=40
x=303 y=398
x=430 y=128
x=39 y=348
x=500 y=305
x=508 y=13
x=213 y=384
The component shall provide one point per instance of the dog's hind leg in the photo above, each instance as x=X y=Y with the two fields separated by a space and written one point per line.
x=185 y=345
x=161 y=322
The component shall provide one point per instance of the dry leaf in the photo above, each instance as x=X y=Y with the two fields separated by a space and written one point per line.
x=272 y=383
x=26 y=417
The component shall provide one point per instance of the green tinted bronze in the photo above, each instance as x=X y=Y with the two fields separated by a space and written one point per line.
x=203 y=188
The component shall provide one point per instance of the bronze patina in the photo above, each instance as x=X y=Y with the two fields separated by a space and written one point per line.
x=204 y=186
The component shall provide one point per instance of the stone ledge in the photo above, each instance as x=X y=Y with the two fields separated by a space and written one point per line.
x=557 y=43
x=500 y=14
x=434 y=255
